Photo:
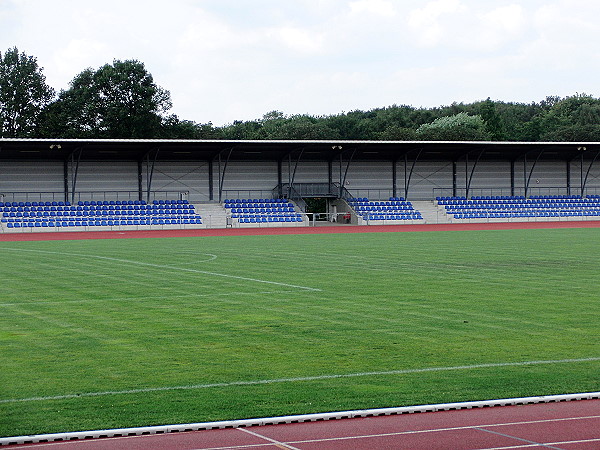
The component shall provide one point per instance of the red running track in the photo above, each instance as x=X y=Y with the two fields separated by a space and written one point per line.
x=573 y=425
x=141 y=234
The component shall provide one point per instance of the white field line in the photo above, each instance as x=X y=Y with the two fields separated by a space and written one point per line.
x=299 y=379
x=161 y=266
x=145 y=298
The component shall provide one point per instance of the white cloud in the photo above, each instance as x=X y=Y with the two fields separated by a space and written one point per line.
x=383 y=8
x=299 y=39
x=78 y=55
x=224 y=60
x=427 y=24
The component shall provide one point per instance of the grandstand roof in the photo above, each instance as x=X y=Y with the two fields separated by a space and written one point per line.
x=136 y=149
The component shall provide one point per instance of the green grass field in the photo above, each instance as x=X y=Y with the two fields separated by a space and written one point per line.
x=117 y=333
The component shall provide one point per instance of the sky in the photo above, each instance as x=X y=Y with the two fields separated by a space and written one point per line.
x=228 y=60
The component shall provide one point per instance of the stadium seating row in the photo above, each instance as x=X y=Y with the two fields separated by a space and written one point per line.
x=394 y=209
x=269 y=219
x=510 y=207
x=229 y=201
x=97 y=214
x=274 y=210
x=96 y=203
x=99 y=223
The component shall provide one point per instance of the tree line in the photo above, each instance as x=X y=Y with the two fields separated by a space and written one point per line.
x=122 y=101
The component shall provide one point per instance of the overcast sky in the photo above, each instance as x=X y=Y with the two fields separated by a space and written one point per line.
x=226 y=60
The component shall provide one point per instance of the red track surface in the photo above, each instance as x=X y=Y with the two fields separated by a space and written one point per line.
x=571 y=425
x=73 y=235
x=568 y=425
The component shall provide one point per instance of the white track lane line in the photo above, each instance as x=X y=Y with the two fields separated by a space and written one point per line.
x=273 y=441
x=437 y=430
x=510 y=436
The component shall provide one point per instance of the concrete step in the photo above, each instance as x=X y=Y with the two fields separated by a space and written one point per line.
x=431 y=212
x=213 y=215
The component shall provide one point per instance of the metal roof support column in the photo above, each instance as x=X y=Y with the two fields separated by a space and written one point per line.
x=408 y=176
x=222 y=173
x=343 y=179
x=584 y=182
x=291 y=175
x=468 y=186
x=568 y=177
x=150 y=170
x=525 y=174
x=140 y=180
x=528 y=178
x=74 y=169
x=454 y=174
x=394 y=177
x=66 y=179
x=211 y=181
x=512 y=177
x=279 y=178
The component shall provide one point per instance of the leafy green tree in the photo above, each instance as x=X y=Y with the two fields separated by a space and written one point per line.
x=243 y=130
x=397 y=133
x=574 y=118
x=23 y=94
x=493 y=121
x=459 y=127
x=116 y=101
x=174 y=128
x=300 y=127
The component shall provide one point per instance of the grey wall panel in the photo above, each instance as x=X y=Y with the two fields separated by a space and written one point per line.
x=307 y=172
x=592 y=185
x=104 y=180
x=547 y=178
x=250 y=175
x=43 y=177
x=370 y=179
x=174 y=179
x=368 y=175
x=489 y=178
x=31 y=176
x=107 y=176
x=427 y=181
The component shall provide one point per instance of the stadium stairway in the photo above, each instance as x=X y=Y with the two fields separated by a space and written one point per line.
x=431 y=212
x=213 y=214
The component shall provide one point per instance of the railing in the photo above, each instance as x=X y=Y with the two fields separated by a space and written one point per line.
x=372 y=194
x=25 y=196
x=248 y=193
x=531 y=191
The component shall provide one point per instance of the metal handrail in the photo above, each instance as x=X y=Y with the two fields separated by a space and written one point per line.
x=91 y=195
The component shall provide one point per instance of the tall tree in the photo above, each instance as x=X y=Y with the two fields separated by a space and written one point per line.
x=459 y=127
x=117 y=101
x=493 y=121
x=23 y=94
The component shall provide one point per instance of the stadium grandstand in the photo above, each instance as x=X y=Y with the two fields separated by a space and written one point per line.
x=69 y=184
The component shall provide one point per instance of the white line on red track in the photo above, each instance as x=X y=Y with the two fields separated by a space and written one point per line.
x=437 y=430
x=273 y=441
